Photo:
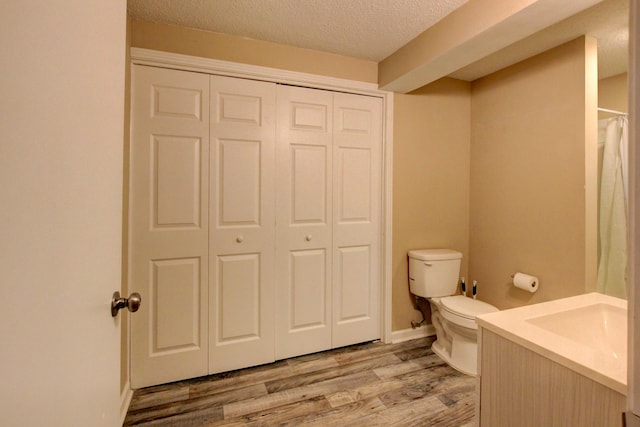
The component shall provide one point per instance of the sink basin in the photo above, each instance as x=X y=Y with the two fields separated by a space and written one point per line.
x=601 y=327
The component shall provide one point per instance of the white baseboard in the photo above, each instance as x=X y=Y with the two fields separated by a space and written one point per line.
x=125 y=401
x=411 y=334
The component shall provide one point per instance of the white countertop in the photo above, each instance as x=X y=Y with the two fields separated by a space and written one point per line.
x=522 y=325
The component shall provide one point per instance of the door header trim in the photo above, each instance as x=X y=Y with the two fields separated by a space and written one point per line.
x=178 y=61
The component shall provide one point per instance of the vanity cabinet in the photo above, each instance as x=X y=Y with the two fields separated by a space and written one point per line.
x=519 y=387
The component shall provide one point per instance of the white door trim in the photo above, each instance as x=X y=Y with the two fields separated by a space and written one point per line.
x=232 y=69
x=633 y=284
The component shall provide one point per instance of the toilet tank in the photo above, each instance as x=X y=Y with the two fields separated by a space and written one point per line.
x=434 y=272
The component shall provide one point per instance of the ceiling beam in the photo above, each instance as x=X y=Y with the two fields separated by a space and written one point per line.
x=476 y=29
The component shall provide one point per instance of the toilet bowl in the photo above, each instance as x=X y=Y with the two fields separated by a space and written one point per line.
x=433 y=274
x=454 y=319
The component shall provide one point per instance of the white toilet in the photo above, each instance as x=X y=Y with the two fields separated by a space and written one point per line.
x=433 y=274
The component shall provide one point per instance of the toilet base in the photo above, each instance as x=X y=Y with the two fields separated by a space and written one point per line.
x=444 y=355
x=456 y=345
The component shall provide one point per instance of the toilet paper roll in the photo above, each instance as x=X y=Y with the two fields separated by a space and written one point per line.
x=526 y=282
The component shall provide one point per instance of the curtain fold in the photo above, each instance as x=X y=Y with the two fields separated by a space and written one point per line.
x=612 y=267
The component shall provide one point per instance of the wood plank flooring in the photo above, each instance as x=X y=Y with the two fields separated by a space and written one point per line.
x=370 y=384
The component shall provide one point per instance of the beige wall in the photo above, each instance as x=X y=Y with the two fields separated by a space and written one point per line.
x=613 y=94
x=189 y=41
x=430 y=181
x=530 y=140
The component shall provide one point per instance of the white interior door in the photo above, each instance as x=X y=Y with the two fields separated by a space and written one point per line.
x=62 y=109
x=304 y=210
x=242 y=280
x=357 y=143
x=169 y=224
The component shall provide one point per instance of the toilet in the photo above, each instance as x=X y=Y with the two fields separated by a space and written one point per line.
x=434 y=274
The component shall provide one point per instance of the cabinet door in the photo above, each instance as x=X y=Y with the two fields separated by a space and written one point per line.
x=242 y=245
x=169 y=224
x=304 y=197
x=357 y=165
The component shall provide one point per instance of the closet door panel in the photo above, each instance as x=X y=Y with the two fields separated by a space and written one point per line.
x=168 y=251
x=238 y=183
x=176 y=181
x=238 y=298
x=357 y=140
x=308 y=300
x=355 y=200
x=353 y=283
x=175 y=291
x=303 y=200
x=242 y=250
x=309 y=184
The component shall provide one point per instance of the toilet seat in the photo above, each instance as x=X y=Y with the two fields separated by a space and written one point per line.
x=463 y=311
x=466 y=307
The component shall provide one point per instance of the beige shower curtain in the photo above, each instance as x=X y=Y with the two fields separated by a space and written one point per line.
x=612 y=266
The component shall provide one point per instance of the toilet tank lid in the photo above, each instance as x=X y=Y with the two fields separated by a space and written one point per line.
x=434 y=254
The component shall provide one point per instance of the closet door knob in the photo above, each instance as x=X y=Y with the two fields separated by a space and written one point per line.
x=308 y=237
x=239 y=239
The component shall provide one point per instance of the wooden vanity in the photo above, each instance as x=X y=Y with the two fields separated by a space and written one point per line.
x=559 y=363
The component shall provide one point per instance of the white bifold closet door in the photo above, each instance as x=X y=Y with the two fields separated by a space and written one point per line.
x=242 y=221
x=304 y=212
x=357 y=206
x=169 y=224
x=328 y=215
x=202 y=224
x=254 y=222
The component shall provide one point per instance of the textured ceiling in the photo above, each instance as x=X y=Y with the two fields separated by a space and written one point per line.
x=367 y=29
x=374 y=29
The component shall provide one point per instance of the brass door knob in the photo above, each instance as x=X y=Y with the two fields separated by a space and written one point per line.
x=132 y=303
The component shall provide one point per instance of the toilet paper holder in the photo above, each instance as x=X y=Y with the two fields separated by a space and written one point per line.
x=525 y=282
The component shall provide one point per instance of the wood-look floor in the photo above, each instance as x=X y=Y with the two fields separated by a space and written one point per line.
x=370 y=384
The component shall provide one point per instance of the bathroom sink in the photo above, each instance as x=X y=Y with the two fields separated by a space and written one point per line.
x=599 y=326
x=586 y=333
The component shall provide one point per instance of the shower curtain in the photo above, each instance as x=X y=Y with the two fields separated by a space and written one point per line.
x=612 y=267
